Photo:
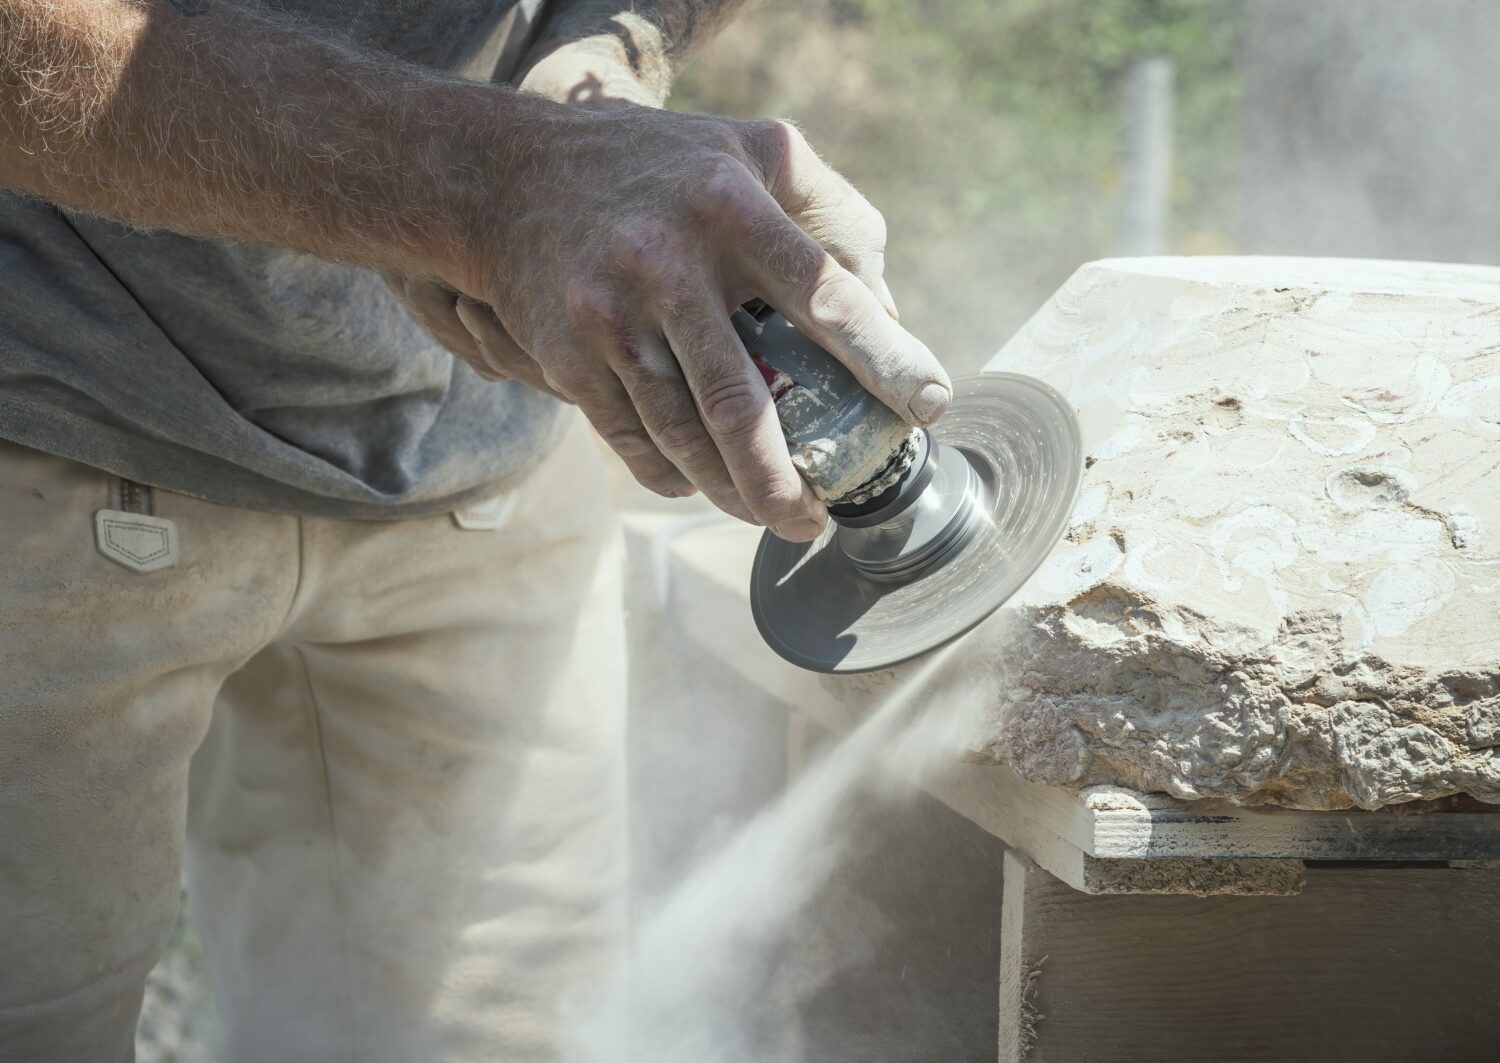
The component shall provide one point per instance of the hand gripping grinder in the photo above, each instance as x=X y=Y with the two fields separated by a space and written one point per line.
x=930 y=530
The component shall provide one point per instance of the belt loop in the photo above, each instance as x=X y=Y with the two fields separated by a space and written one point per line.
x=132 y=497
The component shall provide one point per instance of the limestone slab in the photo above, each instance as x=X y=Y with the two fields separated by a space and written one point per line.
x=1281 y=584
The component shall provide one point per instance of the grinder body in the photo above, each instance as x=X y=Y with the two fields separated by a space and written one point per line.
x=930 y=531
x=840 y=436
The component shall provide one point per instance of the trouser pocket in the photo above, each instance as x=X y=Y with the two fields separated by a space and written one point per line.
x=131 y=534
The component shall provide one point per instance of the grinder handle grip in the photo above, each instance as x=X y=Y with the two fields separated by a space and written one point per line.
x=839 y=434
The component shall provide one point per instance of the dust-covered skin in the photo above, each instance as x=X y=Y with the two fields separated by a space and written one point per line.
x=1280 y=582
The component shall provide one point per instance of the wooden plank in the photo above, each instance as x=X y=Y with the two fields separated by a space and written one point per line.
x=1374 y=965
x=1020 y=962
x=1029 y=818
x=1193 y=878
x=1226 y=831
x=1045 y=823
x=1119 y=825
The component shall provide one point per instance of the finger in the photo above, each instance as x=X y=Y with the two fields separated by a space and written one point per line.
x=735 y=407
x=419 y=305
x=651 y=376
x=799 y=278
x=882 y=292
x=604 y=401
x=434 y=307
x=823 y=203
x=500 y=356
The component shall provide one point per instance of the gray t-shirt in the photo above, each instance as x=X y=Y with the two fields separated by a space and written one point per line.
x=254 y=376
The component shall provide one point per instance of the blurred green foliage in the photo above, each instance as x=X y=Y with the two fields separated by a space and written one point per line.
x=989 y=132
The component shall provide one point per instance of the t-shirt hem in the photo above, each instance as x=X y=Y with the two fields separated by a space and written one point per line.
x=144 y=461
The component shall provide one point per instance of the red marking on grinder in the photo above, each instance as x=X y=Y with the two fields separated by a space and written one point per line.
x=775 y=379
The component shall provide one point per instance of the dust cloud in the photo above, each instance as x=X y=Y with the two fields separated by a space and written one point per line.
x=703 y=978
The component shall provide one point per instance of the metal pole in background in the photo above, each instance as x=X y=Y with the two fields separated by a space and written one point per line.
x=1147 y=189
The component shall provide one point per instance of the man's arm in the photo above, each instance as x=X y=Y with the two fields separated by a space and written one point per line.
x=206 y=119
x=610 y=243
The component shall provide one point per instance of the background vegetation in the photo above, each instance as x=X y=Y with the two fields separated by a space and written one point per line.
x=989 y=132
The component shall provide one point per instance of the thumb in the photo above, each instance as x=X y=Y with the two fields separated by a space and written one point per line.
x=823 y=204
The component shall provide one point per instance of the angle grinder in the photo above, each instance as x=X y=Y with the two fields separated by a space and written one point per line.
x=930 y=531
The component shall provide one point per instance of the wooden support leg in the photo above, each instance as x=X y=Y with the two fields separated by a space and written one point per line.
x=1377 y=963
x=1020 y=960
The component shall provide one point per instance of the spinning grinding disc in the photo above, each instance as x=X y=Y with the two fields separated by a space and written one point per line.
x=991 y=495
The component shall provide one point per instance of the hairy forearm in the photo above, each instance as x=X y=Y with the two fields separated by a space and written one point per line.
x=226 y=124
x=651 y=38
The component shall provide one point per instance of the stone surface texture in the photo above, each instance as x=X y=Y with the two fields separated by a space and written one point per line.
x=1281 y=584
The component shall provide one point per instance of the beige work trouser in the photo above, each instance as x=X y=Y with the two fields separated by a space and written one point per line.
x=404 y=813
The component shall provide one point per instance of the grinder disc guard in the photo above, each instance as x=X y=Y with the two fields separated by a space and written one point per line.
x=818 y=609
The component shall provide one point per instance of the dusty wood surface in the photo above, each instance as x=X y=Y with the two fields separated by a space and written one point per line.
x=1192 y=878
x=1119 y=824
x=1372 y=965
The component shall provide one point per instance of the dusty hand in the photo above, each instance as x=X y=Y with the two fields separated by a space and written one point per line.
x=568 y=75
x=624 y=242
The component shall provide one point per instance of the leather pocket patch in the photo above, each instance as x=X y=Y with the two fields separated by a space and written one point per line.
x=139 y=542
x=487 y=515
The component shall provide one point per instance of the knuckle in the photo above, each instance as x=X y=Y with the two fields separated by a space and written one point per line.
x=733 y=407
x=648 y=253
x=719 y=189
x=721 y=174
x=686 y=438
x=778 y=498
x=746 y=223
x=629 y=442
x=872 y=225
x=636 y=241
x=627 y=360
x=772 y=143
x=792 y=257
x=662 y=480
x=765 y=133
x=789 y=133
x=587 y=304
x=832 y=303
x=603 y=326
x=565 y=379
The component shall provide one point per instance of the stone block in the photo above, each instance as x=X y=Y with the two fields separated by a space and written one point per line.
x=1282 y=580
